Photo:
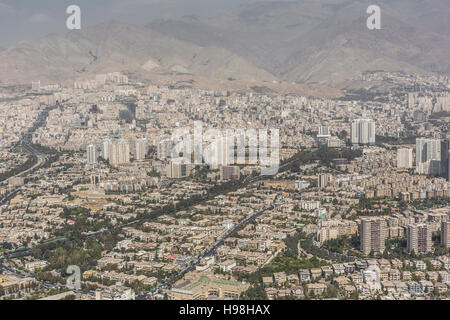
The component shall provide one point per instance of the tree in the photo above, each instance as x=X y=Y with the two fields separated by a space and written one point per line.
x=331 y=292
x=255 y=292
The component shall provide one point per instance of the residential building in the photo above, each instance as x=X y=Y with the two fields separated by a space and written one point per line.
x=91 y=154
x=404 y=158
x=373 y=235
x=428 y=156
x=419 y=238
x=363 y=132
x=445 y=234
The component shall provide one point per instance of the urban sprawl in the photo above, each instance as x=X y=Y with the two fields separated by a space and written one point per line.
x=92 y=175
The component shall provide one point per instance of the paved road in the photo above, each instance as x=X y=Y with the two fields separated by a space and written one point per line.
x=41 y=160
x=208 y=252
x=21 y=274
x=211 y=250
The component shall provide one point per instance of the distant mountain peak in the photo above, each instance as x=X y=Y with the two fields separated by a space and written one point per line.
x=310 y=41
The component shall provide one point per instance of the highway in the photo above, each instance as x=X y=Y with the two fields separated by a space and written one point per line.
x=41 y=160
x=46 y=284
x=208 y=252
x=211 y=250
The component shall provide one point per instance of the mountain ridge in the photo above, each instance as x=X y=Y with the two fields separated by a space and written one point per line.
x=322 y=42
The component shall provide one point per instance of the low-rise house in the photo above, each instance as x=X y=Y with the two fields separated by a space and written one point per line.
x=427 y=286
x=441 y=287
x=89 y=273
x=432 y=276
x=357 y=278
x=293 y=279
x=419 y=274
x=445 y=261
x=394 y=275
x=342 y=280
x=116 y=292
x=316 y=273
x=420 y=265
x=284 y=293
x=396 y=263
x=372 y=262
x=408 y=263
x=298 y=291
x=34 y=265
x=406 y=276
x=361 y=265
x=317 y=288
x=436 y=264
x=444 y=276
x=363 y=288
x=338 y=268
x=267 y=281
x=304 y=275
x=227 y=266
x=414 y=287
x=388 y=286
x=106 y=261
x=279 y=278
x=384 y=264
x=271 y=292
x=349 y=289
x=384 y=274
x=401 y=287
x=327 y=271
x=151 y=281
x=349 y=267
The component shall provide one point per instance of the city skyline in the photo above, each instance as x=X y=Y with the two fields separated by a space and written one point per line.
x=225 y=153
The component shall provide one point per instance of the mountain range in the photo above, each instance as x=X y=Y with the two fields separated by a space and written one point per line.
x=307 y=42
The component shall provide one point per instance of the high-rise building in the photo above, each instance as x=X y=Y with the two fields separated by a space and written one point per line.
x=164 y=149
x=324 y=135
x=323 y=180
x=445 y=234
x=363 y=132
x=419 y=116
x=428 y=156
x=178 y=169
x=324 y=131
x=412 y=99
x=419 y=238
x=36 y=85
x=448 y=166
x=445 y=163
x=373 y=235
x=113 y=153
x=229 y=173
x=106 y=144
x=119 y=152
x=220 y=152
x=140 y=149
x=404 y=158
x=91 y=154
x=95 y=179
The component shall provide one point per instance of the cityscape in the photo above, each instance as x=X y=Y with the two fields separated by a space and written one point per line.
x=181 y=184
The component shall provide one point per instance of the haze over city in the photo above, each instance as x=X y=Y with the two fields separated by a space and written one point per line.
x=223 y=151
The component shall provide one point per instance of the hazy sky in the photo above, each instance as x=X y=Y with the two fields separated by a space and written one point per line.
x=29 y=19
